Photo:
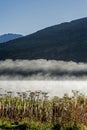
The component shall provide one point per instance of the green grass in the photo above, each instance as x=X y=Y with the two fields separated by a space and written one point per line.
x=33 y=125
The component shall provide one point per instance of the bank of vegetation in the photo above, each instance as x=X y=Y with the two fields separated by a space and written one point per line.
x=36 y=111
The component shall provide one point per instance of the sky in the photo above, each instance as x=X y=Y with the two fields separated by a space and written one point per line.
x=28 y=16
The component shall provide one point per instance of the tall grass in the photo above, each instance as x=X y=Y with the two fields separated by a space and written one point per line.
x=36 y=111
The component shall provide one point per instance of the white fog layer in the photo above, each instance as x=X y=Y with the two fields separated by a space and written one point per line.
x=54 y=88
x=42 y=70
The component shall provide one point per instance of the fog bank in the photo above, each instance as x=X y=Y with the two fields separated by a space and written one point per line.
x=42 y=70
x=54 y=88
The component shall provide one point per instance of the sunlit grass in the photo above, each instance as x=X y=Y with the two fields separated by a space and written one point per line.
x=36 y=111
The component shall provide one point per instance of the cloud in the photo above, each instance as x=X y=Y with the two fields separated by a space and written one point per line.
x=42 y=70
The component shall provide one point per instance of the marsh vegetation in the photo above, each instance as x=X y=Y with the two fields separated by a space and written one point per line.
x=36 y=111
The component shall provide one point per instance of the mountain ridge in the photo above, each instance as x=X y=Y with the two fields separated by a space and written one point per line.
x=9 y=36
x=66 y=41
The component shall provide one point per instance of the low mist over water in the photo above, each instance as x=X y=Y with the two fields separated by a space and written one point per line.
x=42 y=70
x=54 y=88
x=54 y=77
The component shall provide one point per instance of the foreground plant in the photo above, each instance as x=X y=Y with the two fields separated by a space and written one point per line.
x=36 y=111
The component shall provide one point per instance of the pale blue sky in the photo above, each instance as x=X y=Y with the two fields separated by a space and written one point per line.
x=28 y=16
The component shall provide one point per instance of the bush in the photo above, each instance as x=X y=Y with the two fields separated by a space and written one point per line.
x=56 y=127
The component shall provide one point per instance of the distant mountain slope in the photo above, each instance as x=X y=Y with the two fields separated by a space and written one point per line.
x=66 y=41
x=8 y=37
